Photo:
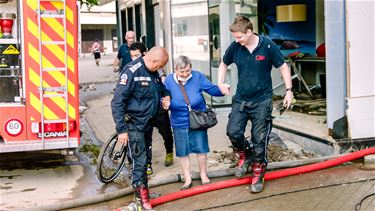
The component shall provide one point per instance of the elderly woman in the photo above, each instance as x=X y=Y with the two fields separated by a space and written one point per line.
x=187 y=140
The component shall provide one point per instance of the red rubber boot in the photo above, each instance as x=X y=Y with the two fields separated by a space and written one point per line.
x=257 y=177
x=243 y=164
x=142 y=195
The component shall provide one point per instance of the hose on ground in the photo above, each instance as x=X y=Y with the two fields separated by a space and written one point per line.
x=268 y=176
x=290 y=192
x=74 y=203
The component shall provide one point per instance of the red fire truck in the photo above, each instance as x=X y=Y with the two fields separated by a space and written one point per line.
x=38 y=75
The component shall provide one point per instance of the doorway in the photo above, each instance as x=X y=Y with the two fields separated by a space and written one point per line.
x=89 y=36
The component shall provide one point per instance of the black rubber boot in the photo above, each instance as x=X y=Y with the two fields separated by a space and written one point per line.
x=257 y=177
x=142 y=196
x=244 y=161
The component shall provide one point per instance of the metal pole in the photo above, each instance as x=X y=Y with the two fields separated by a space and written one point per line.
x=119 y=24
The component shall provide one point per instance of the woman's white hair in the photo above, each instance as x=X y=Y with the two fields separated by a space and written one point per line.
x=182 y=62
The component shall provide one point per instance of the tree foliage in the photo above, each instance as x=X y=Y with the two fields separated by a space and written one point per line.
x=89 y=3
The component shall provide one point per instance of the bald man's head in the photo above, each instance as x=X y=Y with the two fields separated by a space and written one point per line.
x=156 y=58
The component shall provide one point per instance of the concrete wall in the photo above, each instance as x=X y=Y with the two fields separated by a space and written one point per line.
x=361 y=77
x=335 y=60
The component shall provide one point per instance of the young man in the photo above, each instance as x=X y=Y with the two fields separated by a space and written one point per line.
x=161 y=121
x=138 y=93
x=254 y=57
x=136 y=50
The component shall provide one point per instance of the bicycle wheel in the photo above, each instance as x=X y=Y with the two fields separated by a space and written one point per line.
x=111 y=159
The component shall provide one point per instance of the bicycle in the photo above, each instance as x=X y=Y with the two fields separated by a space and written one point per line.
x=111 y=159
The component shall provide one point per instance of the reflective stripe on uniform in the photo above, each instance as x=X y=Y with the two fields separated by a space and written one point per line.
x=142 y=78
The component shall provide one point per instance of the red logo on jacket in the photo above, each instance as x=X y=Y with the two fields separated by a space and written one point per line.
x=260 y=57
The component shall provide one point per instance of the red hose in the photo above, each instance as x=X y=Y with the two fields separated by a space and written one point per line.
x=269 y=176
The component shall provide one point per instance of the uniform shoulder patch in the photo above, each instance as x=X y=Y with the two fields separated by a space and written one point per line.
x=123 y=79
x=135 y=67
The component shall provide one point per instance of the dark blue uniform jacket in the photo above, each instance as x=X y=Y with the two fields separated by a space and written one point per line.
x=138 y=93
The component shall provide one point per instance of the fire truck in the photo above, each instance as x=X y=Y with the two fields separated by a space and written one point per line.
x=39 y=75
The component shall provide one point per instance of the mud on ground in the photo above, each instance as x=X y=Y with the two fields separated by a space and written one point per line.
x=276 y=153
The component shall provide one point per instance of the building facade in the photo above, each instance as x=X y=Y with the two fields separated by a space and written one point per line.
x=98 y=23
x=200 y=29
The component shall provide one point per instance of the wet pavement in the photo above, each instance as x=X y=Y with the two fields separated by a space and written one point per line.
x=98 y=116
x=90 y=73
x=27 y=179
x=52 y=178
x=337 y=188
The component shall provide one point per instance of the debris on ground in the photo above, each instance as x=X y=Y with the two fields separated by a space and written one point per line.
x=312 y=107
x=304 y=104
x=276 y=153
x=82 y=109
x=90 y=150
x=276 y=140
x=87 y=87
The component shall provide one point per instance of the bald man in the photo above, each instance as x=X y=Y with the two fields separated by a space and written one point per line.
x=138 y=96
x=123 y=54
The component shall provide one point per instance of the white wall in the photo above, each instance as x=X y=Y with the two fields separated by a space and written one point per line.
x=334 y=12
x=361 y=77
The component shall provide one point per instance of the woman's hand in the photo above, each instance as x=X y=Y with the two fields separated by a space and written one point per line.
x=224 y=88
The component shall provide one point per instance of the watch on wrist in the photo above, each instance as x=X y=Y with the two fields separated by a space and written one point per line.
x=289 y=89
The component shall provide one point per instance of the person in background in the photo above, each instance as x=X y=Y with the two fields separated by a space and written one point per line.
x=137 y=49
x=138 y=95
x=95 y=48
x=189 y=141
x=123 y=54
x=161 y=121
x=254 y=56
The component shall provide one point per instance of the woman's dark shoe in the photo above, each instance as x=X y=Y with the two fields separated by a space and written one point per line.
x=184 y=187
